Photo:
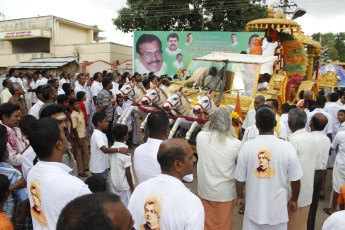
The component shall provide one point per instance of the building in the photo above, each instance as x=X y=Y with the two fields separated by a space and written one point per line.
x=24 y=39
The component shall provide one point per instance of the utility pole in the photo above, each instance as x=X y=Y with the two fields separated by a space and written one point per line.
x=202 y=15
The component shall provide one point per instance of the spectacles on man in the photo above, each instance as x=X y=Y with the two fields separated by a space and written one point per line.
x=150 y=54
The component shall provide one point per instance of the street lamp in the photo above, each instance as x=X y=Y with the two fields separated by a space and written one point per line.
x=299 y=12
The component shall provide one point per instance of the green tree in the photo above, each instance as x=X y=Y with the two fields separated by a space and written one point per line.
x=190 y=15
x=333 y=44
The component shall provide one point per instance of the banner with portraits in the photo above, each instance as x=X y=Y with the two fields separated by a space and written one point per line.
x=164 y=52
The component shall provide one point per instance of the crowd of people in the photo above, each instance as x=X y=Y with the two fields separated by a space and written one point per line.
x=55 y=133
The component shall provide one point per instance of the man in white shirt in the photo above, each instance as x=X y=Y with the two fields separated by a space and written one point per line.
x=234 y=40
x=320 y=104
x=95 y=89
x=45 y=77
x=164 y=202
x=149 y=55
x=13 y=75
x=217 y=147
x=63 y=79
x=115 y=88
x=81 y=85
x=5 y=93
x=23 y=82
x=32 y=88
x=145 y=161
x=321 y=150
x=268 y=47
x=49 y=185
x=332 y=108
x=35 y=110
x=250 y=118
x=285 y=108
x=265 y=166
x=304 y=144
x=172 y=42
x=338 y=177
x=178 y=62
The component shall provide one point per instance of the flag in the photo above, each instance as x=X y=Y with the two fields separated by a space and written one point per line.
x=238 y=105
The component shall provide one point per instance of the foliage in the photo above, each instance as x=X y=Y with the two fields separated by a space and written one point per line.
x=188 y=15
x=333 y=44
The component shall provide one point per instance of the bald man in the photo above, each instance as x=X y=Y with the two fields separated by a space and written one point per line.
x=164 y=202
x=317 y=123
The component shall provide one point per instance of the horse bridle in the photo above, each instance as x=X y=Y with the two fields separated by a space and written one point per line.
x=128 y=91
x=209 y=104
x=179 y=98
x=155 y=96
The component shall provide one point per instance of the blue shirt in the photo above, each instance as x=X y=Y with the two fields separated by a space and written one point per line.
x=16 y=195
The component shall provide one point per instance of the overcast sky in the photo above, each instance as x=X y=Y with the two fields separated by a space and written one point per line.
x=322 y=15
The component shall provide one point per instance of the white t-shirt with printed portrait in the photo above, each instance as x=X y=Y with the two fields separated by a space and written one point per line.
x=98 y=160
x=50 y=187
x=267 y=187
x=164 y=202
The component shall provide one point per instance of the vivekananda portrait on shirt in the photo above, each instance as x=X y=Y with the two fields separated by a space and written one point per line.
x=153 y=210
x=264 y=171
x=36 y=210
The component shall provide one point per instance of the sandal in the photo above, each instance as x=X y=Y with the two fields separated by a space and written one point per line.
x=83 y=174
x=329 y=211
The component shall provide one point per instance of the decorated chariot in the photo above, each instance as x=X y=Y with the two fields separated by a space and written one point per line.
x=231 y=79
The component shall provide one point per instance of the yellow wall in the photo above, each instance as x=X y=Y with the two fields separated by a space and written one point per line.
x=69 y=34
x=5 y=47
x=120 y=52
x=14 y=59
x=91 y=52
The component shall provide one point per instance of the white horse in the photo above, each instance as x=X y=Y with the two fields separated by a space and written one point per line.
x=156 y=97
x=205 y=105
x=204 y=109
x=137 y=93
x=178 y=101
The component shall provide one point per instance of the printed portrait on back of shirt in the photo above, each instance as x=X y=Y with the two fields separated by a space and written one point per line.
x=36 y=209
x=264 y=171
x=153 y=210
